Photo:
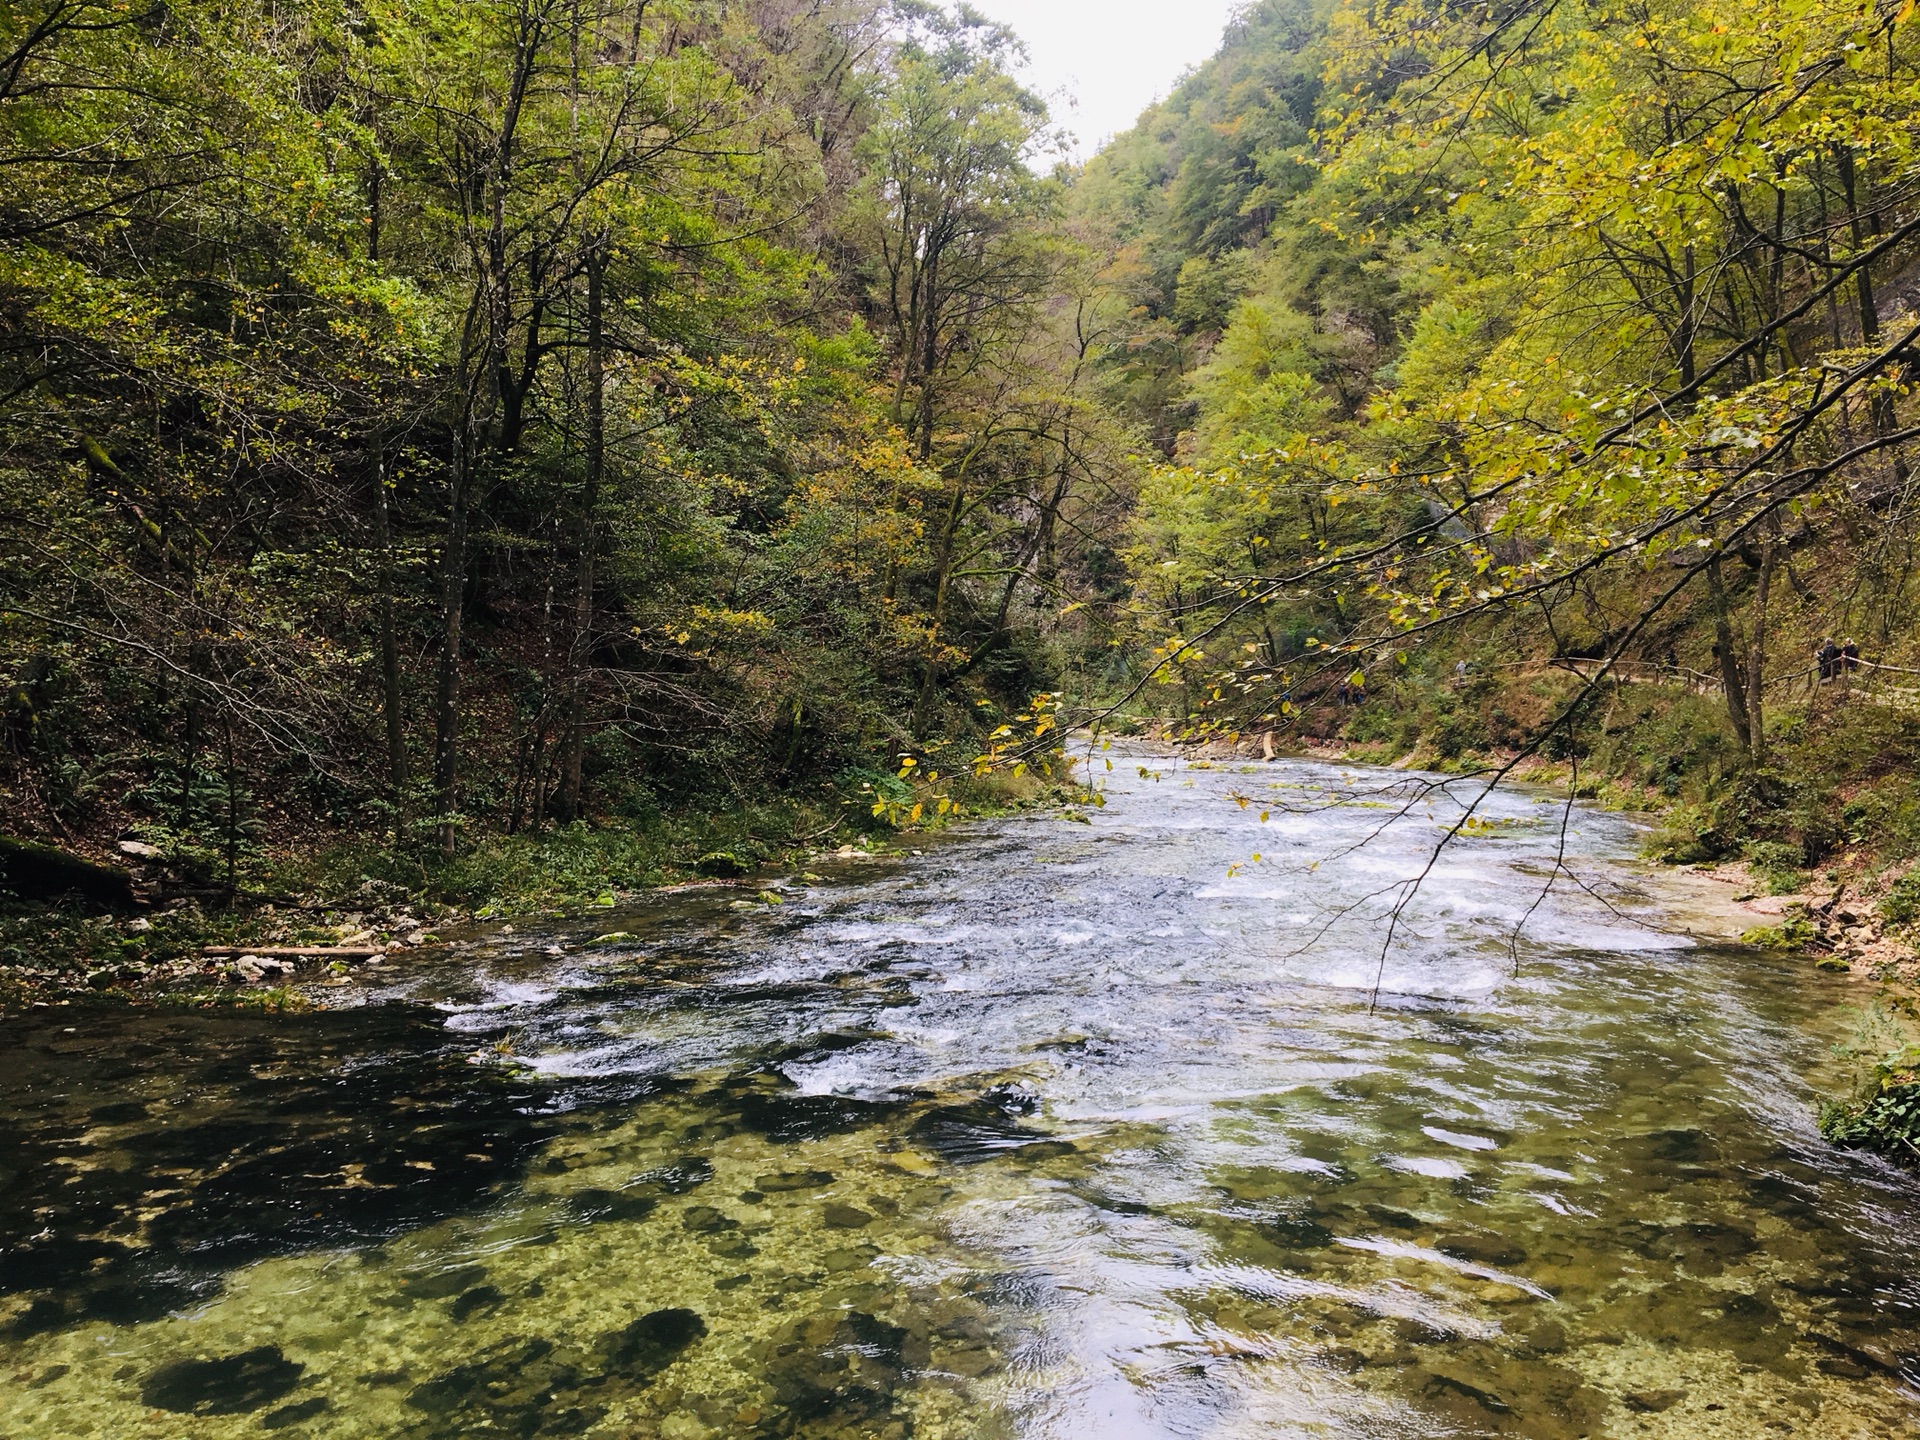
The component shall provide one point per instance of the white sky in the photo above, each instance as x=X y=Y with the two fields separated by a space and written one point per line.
x=1115 y=57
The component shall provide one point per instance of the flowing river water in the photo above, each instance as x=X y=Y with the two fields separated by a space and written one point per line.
x=1086 y=1131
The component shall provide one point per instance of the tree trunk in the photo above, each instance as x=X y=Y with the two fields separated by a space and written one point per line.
x=1757 y=657
x=568 y=803
x=453 y=594
x=1863 y=277
x=391 y=697
x=930 y=680
x=1880 y=402
x=1725 y=652
x=233 y=808
x=929 y=344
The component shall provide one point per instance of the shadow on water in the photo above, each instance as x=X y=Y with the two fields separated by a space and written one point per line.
x=1054 y=1133
x=149 y=1153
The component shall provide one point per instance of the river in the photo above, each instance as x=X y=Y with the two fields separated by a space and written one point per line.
x=1081 y=1130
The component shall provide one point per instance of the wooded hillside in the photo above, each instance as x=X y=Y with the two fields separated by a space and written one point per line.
x=421 y=420
x=432 y=418
x=1482 y=341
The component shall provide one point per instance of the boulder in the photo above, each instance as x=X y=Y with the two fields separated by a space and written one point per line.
x=44 y=874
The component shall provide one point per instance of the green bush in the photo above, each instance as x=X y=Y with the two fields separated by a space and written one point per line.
x=1794 y=933
x=1886 y=1115
x=1901 y=904
x=1689 y=835
x=1776 y=865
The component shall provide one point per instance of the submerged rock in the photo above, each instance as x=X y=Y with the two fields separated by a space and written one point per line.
x=793 y=1180
x=289 y=1415
x=788 y=1117
x=371 y=1122
x=1296 y=1232
x=472 y=1302
x=833 y=1371
x=705 y=1220
x=653 y=1342
x=1481 y=1249
x=1652 y=1402
x=439 y=1284
x=229 y=1385
x=983 y=1130
x=516 y=1388
x=612 y=1205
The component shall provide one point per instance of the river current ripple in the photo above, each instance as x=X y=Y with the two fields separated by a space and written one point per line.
x=1135 y=1125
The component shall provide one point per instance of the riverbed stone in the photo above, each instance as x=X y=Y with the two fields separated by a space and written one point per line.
x=1652 y=1402
x=372 y=1121
x=836 y=1374
x=472 y=1302
x=224 y=1385
x=297 y=1413
x=1480 y=1248
x=783 y=1181
x=982 y=1130
x=1395 y=1219
x=651 y=1343
x=786 y=1116
x=849 y=1257
x=1549 y=1337
x=594 y=1205
x=705 y=1220
x=440 y=1284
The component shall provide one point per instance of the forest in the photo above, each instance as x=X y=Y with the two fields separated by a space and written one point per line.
x=450 y=420
x=524 y=524
x=424 y=426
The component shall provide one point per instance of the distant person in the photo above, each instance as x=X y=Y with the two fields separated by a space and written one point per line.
x=1827 y=657
x=1850 y=654
x=1355 y=690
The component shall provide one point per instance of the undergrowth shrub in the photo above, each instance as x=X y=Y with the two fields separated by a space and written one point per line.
x=1776 y=865
x=1796 y=932
x=1901 y=904
x=1885 y=1115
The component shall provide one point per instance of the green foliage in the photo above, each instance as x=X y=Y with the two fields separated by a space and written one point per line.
x=1505 y=365
x=1885 y=1114
x=1796 y=932
x=1776 y=865
x=1686 y=835
x=453 y=419
x=1901 y=904
x=570 y=868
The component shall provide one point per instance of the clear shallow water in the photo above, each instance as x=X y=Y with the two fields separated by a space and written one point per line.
x=1059 y=1130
